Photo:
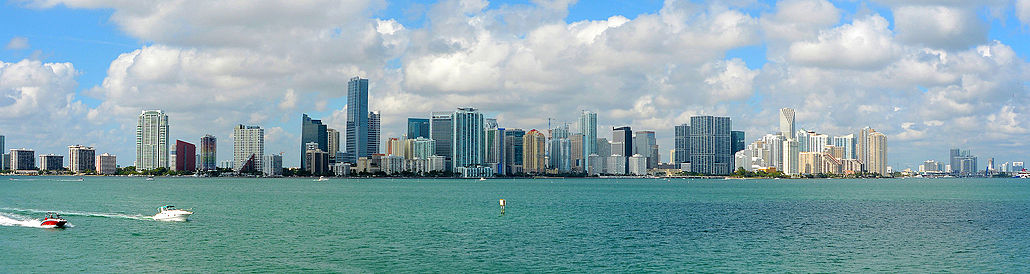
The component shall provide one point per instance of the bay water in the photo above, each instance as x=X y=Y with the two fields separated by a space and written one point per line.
x=549 y=225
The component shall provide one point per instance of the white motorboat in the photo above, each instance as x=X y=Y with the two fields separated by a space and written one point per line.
x=322 y=179
x=172 y=214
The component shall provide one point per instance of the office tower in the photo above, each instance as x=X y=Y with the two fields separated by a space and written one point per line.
x=737 y=141
x=4 y=165
x=23 y=159
x=802 y=137
x=513 y=151
x=357 y=120
x=332 y=141
x=318 y=161
x=313 y=131
x=638 y=165
x=208 y=152
x=772 y=151
x=672 y=156
x=534 y=155
x=171 y=159
x=272 y=165
x=1017 y=166
x=990 y=165
x=107 y=164
x=441 y=129
x=81 y=159
x=576 y=157
x=682 y=143
x=467 y=134
x=418 y=127
x=787 y=122
x=423 y=147
x=248 y=148
x=495 y=149
x=152 y=140
x=710 y=145
x=186 y=156
x=790 y=157
x=560 y=154
x=588 y=128
x=616 y=164
x=646 y=144
x=622 y=144
x=597 y=165
x=374 y=139
x=51 y=162
x=848 y=143
x=877 y=153
x=862 y=147
x=604 y=148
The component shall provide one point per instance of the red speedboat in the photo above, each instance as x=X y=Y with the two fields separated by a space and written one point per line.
x=53 y=220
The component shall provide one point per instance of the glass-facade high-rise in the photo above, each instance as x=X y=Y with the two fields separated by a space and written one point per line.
x=418 y=127
x=441 y=130
x=152 y=140
x=312 y=131
x=513 y=150
x=737 y=137
x=357 y=119
x=208 y=152
x=467 y=135
x=710 y=145
x=374 y=139
x=682 y=143
x=588 y=127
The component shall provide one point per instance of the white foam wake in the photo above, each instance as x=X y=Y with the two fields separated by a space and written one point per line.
x=85 y=214
x=7 y=219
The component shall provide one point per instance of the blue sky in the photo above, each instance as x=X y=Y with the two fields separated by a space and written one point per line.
x=684 y=68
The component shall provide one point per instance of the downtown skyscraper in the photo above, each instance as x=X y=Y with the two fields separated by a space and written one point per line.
x=710 y=145
x=467 y=147
x=787 y=122
x=588 y=127
x=248 y=148
x=312 y=131
x=152 y=140
x=373 y=139
x=418 y=127
x=357 y=120
x=208 y=152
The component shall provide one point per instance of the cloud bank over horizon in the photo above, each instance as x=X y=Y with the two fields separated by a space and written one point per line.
x=926 y=73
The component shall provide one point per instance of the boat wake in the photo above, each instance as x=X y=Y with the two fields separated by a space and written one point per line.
x=84 y=214
x=10 y=219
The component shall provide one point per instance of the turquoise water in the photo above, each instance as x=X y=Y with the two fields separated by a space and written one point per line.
x=574 y=225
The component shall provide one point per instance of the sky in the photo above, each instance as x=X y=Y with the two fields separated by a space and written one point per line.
x=930 y=74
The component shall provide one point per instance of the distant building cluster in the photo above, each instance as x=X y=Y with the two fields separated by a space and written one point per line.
x=800 y=152
x=465 y=142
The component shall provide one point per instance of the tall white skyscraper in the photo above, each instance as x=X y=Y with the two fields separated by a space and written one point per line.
x=81 y=158
x=862 y=147
x=848 y=143
x=787 y=122
x=248 y=148
x=790 y=157
x=333 y=136
x=152 y=140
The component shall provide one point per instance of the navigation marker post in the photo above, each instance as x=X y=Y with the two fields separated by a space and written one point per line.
x=502 y=206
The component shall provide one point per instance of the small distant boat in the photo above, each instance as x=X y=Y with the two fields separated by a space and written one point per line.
x=150 y=178
x=322 y=179
x=53 y=220
x=172 y=214
x=482 y=179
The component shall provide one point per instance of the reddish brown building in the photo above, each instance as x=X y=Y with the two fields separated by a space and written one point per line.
x=185 y=156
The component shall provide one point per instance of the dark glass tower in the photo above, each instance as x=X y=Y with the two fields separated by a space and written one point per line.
x=357 y=119
x=418 y=127
x=312 y=131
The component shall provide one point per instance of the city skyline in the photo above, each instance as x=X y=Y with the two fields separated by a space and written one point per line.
x=748 y=77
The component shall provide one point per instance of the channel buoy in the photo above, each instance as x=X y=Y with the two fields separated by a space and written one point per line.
x=502 y=206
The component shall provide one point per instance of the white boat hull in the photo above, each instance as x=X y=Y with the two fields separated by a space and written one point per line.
x=173 y=216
